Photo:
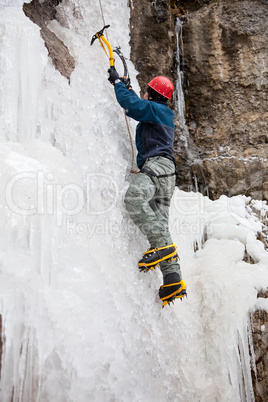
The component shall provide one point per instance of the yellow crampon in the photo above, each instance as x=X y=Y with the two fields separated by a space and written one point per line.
x=151 y=250
x=178 y=294
x=144 y=266
x=100 y=35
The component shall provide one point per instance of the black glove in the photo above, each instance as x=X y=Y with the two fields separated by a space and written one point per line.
x=113 y=75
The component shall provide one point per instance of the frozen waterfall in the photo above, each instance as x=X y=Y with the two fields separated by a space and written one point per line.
x=79 y=322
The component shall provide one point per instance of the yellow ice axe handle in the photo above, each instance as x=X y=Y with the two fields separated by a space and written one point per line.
x=111 y=55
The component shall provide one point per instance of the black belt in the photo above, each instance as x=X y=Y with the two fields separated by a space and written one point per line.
x=158 y=198
x=168 y=157
x=150 y=172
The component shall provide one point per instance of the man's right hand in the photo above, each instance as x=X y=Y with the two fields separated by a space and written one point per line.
x=113 y=75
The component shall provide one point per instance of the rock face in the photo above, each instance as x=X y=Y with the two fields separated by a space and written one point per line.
x=225 y=48
x=260 y=342
x=225 y=87
x=152 y=42
x=1 y=344
x=41 y=13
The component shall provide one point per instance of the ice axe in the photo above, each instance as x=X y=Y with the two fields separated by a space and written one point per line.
x=126 y=78
x=100 y=35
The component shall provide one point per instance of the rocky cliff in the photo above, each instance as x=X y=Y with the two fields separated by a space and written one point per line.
x=260 y=342
x=225 y=54
x=224 y=63
x=41 y=13
x=225 y=87
x=1 y=343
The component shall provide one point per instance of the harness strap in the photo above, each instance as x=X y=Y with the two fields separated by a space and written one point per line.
x=158 y=198
x=149 y=172
x=162 y=200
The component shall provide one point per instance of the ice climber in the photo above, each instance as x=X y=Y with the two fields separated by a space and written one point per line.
x=148 y=197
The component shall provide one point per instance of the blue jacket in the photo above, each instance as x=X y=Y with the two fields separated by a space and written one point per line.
x=155 y=131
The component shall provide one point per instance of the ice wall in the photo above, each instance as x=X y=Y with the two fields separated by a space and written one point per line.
x=80 y=323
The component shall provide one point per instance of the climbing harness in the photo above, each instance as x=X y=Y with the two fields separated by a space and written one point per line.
x=150 y=172
x=160 y=199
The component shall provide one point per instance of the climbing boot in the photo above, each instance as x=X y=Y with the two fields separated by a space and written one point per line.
x=154 y=256
x=173 y=288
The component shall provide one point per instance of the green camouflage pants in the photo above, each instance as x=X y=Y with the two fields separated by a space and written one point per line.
x=148 y=201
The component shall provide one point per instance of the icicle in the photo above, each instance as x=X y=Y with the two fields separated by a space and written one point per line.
x=245 y=385
x=196 y=183
x=179 y=101
x=180 y=104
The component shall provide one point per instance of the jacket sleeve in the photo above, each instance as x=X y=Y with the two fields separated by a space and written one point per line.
x=138 y=109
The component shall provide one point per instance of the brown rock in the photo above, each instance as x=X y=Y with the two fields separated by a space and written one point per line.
x=1 y=344
x=152 y=40
x=225 y=48
x=41 y=14
x=260 y=343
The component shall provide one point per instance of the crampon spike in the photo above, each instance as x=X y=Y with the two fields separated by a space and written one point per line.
x=145 y=269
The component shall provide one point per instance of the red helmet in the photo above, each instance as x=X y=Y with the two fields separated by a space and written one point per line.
x=162 y=85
